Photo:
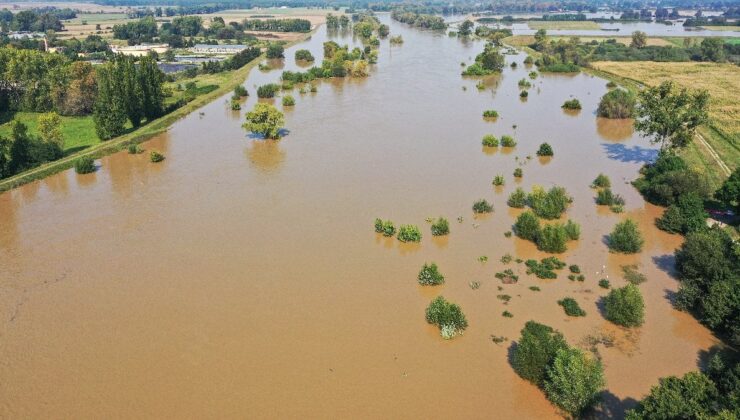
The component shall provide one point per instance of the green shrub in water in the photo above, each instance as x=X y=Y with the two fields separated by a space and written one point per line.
x=447 y=316
x=430 y=275
x=571 y=307
x=440 y=227
x=85 y=165
x=507 y=141
x=482 y=206
x=155 y=156
x=545 y=150
x=409 y=233
x=498 y=180
x=489 y=140
x=490 y=113
x=517 y=199
x=385 y=227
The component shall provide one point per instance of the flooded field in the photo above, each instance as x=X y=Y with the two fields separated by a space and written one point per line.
x=243 y=278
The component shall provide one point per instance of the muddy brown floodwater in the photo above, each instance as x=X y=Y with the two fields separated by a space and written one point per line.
x=242 y=278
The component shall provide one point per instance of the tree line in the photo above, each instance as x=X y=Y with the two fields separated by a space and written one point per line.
x=35 y=20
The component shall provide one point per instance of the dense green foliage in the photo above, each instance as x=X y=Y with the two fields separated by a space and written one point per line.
x=601 y=181
x=617 y=103
x=489 y=140
x=419 y=20
x=669 y=178
x=447 y=316
x=498 y=180
x=440 y=227
x=708 y=267
x=304 y=55
x=22 y=151
x=571 y=307
x=482 y=206
x=550 y=204
x=572 y=104
x=385 y=227
x=624 y=306
x=670 y=115
x=517 y=199
x=574 y=381
x=277 y=25
x=552 y=238
x=430 y=275
x=155 y=156
x=729 y=192
x=409 y=233
x=508 y=141
x=714 y=394
x=545 y=150
x=288 y=100
x=85 y=165
x=266 y=120
x=685 y=215
x=490 y=113
x=527 y=226
x=625 y=238
x=268 y=90
x=535 y=351
x=487 y=62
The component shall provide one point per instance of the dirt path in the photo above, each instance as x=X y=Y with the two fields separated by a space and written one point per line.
x=722 y=165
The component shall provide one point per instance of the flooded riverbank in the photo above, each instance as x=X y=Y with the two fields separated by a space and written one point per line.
x=243 y=278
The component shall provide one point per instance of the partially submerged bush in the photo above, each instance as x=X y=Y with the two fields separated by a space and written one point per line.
x=632 y=275
x=606 y=197
x=304 y=55
x=385 y=227
x=517 y=199
x=490 y=113
x=626 y=238
x=430 y=275
x=617 y=103
x=489 y=140
x=268 y=91
x=518 y=173
x=409 y=233
x=545 y=150
x=134 y=149
x=604 y=284
x=482 y=206
x=155 y=156
x=240 y=91
x=440 y=227
x=545 y=268
x=573 y=230
x=549 y=204
x=523 y=94
x=535 y=351
x=288 y=100
x=507 y=141
x=625 y=306
x=601 y=181
x=527 y=226
x=447 y=316
x=85 y=165
x=552 y=238
x=571 y=307
x=572 y=104
x=524 y=84
x=498 y=180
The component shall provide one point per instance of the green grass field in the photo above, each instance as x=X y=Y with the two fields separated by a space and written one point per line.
x=78 y=132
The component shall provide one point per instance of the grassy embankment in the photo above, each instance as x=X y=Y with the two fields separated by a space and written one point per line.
x=94 y=148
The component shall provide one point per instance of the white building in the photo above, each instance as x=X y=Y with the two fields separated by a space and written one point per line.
x=140 y=50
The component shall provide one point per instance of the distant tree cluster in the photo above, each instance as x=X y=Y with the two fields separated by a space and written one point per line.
x=419 y=20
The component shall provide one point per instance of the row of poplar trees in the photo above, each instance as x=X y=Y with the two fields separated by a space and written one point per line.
x=127 y=92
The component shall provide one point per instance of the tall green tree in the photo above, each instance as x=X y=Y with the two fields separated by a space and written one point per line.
x=151 y=79
x=574 y=381
x=266 y=120
x=466 y=28
x=671 y=115
x=49 y=126
x=639 y=39
x=729 y=192
x=130 y=90
x=4 y=157
x=109 y=112
x=21 y=155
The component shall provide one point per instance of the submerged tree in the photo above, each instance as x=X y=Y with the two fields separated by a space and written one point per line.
x=266 y=120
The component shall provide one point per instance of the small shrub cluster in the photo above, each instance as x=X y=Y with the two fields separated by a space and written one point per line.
x=617 y=103
x=409 y=233
x=134 y=149
x=684 y=216
x=523 y=94
x=550 y=238
x=155 y=156
x=268 y=91
x=625 y=238
x=507 y=314
x=85 y=165
x=482 y=206
x=572 y=104
x=625 y=306
x=240 y=92
x=601 y=181
x=430 y=275
x=545 y=150
x=490 y=113
x=385 y=227
x=440 y=227
x=507 y=141
x=575 y=269
x=632 y=275
x=550 y=204
x=571 y=307
x=605 y=197
x=524 y=84
x=489 y=140
x=304 y=55
x=447 y=316
x=288 y=100
x=518 y=173
x=545 y=268
x=507 y=276
x=498 y=180
x=517 y=199
x=604 y=284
